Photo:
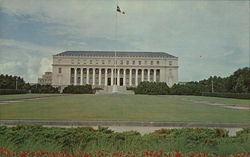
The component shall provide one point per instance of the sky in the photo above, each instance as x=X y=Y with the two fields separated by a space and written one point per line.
x=208 y=37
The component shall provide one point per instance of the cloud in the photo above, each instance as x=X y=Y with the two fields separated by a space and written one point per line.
x=210 y=38
x=24 y=59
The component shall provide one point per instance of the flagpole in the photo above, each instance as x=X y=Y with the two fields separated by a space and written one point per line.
x=115 y=47
x=115 y=82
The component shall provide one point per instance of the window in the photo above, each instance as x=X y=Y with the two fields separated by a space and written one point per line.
x=84 y=61
x=139 y=62
x=109 y=61
x=78 y=61
x=72 y=61
x=145 y=62
x=90 y=61
x=152 y=62
x=127 y=62
x=121 y=62
x=59 y=70
x=133 y=62
x=59 y=61
x=158 y=62
x=170 y=62
x=96 y=61
x=103 y=62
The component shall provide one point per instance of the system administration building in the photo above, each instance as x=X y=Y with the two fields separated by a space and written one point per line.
x=108 y=68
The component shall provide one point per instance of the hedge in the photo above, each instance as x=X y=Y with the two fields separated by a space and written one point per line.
x=12 y=91
x=44 y=89
x=228 y=95
x=84 y=89
x=152 y=88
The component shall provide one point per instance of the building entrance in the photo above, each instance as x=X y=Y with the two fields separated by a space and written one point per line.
x=109 y=81
x=121 y=81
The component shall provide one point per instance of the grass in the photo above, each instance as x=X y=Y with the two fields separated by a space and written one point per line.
x=22 y=96
x=121 y=107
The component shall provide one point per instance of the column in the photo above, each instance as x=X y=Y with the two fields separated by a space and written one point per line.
x=75 y=79
x=142 y=75
x=136 y=77
x=124 y=77
x=112 y=76
x=100 y=75
x=87 y=79
x=118 y=77
x=149 y=75
x=106 y=77
x=154 y=75
x=130 y=77
x=93 y=76
x=81 y=77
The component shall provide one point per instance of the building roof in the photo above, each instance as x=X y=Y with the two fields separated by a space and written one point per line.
x=118 y=54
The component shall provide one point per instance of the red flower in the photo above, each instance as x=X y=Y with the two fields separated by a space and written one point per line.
x=177 y=154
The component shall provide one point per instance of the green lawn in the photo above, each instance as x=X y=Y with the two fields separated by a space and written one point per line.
x=121 y=107
x=21 y=96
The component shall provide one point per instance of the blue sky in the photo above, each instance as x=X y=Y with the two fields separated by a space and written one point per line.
x=209 y=37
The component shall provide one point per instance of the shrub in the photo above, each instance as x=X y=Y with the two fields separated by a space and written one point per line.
x=12 y=91
x=84 y=89
x=187 y=140
x=152 y=88
x=228 y=95
x=43 y=89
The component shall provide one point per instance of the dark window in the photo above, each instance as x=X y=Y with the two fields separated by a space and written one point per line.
x=59 y=70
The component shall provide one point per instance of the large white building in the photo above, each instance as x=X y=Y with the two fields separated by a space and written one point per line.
x=98 y=68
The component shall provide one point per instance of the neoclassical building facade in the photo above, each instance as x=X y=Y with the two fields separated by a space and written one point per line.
x=108 y=68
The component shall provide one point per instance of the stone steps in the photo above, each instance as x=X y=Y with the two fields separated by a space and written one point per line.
x=114 y=90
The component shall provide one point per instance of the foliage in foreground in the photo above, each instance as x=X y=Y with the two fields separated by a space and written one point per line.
x=187 y=140
x=102 y=153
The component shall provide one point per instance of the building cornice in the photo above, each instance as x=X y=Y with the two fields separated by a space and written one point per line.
x=117 y=66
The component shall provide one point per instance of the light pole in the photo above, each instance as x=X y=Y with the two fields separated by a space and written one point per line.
x=16 y=83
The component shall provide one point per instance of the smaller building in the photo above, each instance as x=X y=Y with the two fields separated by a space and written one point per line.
x=46 y=79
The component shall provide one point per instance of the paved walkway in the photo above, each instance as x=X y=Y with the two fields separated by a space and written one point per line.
x=125 y=123
x=232 y=106
x=25 y=99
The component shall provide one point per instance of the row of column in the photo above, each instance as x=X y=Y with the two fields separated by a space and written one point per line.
x=112 y=76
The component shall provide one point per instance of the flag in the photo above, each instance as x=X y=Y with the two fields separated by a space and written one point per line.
x=119 y=10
